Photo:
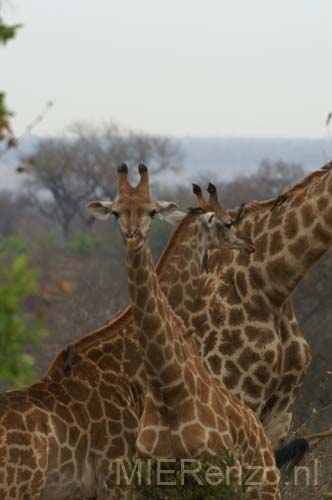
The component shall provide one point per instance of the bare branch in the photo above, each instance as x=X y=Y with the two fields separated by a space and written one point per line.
x=81 y=166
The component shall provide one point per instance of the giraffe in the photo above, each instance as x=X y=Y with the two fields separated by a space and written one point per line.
x=60 y=436
x=187 y=412
x=55 y=441
x=247 y=332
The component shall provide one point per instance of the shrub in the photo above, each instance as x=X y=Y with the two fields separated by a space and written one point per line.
x=17 y=283
x=189 y=486
x=13 y=246
x=82 y=244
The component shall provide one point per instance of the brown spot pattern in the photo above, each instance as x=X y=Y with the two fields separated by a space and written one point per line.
x=241 y=283
x=256 y=279
x=291 y=225
x=276 y=243
x=231 y=342
x=308 y=215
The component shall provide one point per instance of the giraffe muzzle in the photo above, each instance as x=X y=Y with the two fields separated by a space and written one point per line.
x=133 y=239
x=248 y=245
x=243 y=244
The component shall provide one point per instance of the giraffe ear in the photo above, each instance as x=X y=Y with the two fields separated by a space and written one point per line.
x=172 y=218
x=100 y=209
x=168 y=212
x=209 y=218
x=166 y=206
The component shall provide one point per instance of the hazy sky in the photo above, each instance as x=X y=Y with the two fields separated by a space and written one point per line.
x=180 y=67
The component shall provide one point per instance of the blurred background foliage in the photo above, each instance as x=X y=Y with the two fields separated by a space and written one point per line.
x=19 y=332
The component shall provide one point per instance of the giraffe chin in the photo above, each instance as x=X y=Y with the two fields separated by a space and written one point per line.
x=247 y=246
x=134 y=244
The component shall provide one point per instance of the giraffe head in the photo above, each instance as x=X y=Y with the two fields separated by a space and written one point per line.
x=224 y=224
x=134 y=210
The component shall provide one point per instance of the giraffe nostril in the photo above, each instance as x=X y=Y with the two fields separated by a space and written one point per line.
x=133 y=233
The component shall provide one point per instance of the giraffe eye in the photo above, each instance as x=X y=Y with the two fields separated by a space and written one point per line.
x=153 y=213
x=228 y=225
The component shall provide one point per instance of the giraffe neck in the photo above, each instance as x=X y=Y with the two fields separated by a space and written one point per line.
x=180 y=267
x=158 y=330
x=290 y=238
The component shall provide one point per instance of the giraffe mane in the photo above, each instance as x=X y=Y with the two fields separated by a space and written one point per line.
x=297 y=190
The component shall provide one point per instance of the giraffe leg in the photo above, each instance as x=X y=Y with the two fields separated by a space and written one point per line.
x=277 y=421
x=278 y=417
x=276 y=427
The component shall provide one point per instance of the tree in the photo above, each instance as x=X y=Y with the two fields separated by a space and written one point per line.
x=7 y=32
x=5 y=115
x=270 y=179
x=278 y=176
x=14 y=208
x=66 y=172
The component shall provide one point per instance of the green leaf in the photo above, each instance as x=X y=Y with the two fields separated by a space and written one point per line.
x=7 y=32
